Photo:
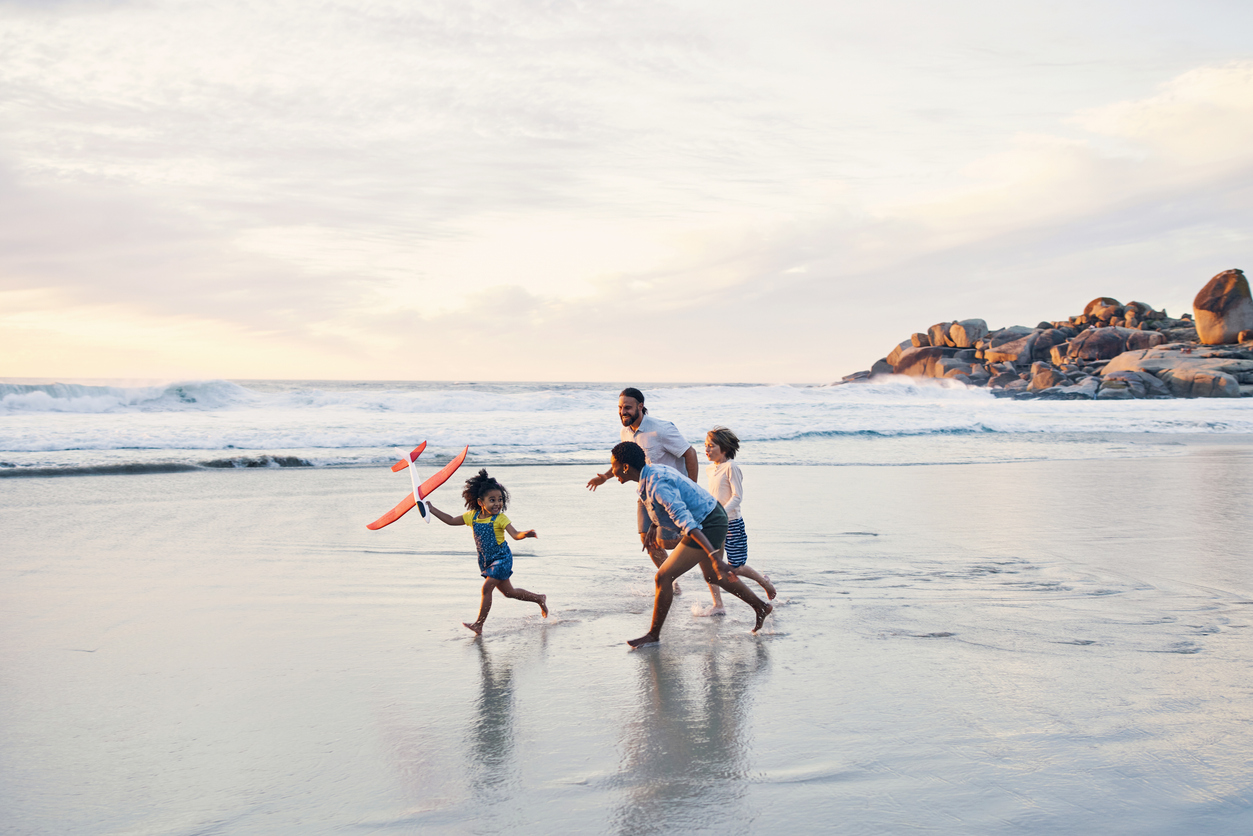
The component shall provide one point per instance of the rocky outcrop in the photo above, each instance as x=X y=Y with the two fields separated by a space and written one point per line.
x=1110 y=351
x=1223 y=308
x=1190 y=371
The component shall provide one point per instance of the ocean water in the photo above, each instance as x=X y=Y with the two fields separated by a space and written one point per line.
x=994 y=618
x=48 y=428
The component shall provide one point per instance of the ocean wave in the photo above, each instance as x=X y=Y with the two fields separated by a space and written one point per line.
x=222 y=424
x=13 y=469
x=100 y=399
x=448 y=399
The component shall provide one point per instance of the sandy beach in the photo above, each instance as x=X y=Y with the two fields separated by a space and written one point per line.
x=1025 y=647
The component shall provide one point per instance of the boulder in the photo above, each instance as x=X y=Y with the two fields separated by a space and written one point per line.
x=1108 y=343
x=1138 y=384
x=895 y=354
x=1088 y=387
x=949 y=366
x=967 y=332
x=921 y=362
x=1059 y=353
x=1018 y=351
x=881 y=367
x=1100 y=301
x=939 y=333
x=1200 y=383
x=1143 y=384
x=1180 y=334
x=920 y=340
x=1097 y=344
x=1223 y=308
x=1047 y=378
x=1006 y=335
x=1245 y=336
x=1137 y=340
x=1115 y=390
x=1107 y=313
x=1004 y=379
x=1045 y=341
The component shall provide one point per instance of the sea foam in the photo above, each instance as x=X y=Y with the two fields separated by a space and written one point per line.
x=328 y=423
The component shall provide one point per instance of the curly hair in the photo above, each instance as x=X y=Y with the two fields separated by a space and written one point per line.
x=478 y=486
x=630 y=453
x=728 y=441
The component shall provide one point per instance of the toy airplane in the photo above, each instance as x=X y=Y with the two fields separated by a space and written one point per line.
x=421 y=489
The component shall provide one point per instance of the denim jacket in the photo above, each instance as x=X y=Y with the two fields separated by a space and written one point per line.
x=686 y=502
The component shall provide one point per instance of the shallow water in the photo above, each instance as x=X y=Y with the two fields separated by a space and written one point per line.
x=57 y=428
x=1013 y=647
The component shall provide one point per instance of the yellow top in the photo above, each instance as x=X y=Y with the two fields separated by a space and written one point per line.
x=501 y=522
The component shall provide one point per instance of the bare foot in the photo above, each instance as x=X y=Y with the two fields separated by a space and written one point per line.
x=771 y=592
x=476 y=629
x=761 y=616
x=645 y=640
x=543 y=605
x=676 y=589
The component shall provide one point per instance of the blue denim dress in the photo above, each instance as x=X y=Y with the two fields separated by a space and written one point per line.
x=495 y=559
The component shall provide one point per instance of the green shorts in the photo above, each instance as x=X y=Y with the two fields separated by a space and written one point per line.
x=714 y=527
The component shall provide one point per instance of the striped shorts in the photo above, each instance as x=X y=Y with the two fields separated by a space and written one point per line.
x=737 y=543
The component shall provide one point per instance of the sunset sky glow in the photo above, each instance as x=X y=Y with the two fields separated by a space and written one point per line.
x=649 y=191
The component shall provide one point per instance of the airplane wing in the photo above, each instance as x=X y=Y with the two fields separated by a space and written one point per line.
x=403 y=507
x=424 y=490
x=413 y=457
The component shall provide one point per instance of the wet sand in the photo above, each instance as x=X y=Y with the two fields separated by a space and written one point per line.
x=1036 y=647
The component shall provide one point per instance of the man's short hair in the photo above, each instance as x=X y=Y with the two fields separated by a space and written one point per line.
x=631 y=454
x=632 y=392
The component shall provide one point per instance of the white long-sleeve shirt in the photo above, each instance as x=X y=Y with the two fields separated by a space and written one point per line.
x=726 y=483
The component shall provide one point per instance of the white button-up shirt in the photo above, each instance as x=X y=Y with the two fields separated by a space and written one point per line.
x=662 y=443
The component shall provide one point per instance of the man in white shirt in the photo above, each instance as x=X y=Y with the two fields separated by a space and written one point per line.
x=663 y=445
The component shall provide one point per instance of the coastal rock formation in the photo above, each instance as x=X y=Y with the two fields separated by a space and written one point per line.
x=1223 y=309
x=1111 y=351
x=1192 y=373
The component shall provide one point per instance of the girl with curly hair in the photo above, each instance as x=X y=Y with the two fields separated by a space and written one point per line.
x=485 y=500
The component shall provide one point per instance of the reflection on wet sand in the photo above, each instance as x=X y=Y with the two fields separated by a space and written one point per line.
x=685 y=752
x=491 y=730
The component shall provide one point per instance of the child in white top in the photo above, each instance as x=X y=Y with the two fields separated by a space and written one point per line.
x=726 y=483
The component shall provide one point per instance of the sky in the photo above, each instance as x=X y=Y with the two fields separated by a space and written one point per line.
x=599 y=191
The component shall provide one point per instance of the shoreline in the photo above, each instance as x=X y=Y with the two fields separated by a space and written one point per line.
x=262 y=460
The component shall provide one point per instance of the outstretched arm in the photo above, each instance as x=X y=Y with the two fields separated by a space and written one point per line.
x=599 y=479
x=447 y=518
x=515 y=534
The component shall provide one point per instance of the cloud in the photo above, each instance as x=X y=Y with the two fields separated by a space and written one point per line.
x=777 y=197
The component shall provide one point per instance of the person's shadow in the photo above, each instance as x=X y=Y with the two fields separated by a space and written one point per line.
x=686 y=750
